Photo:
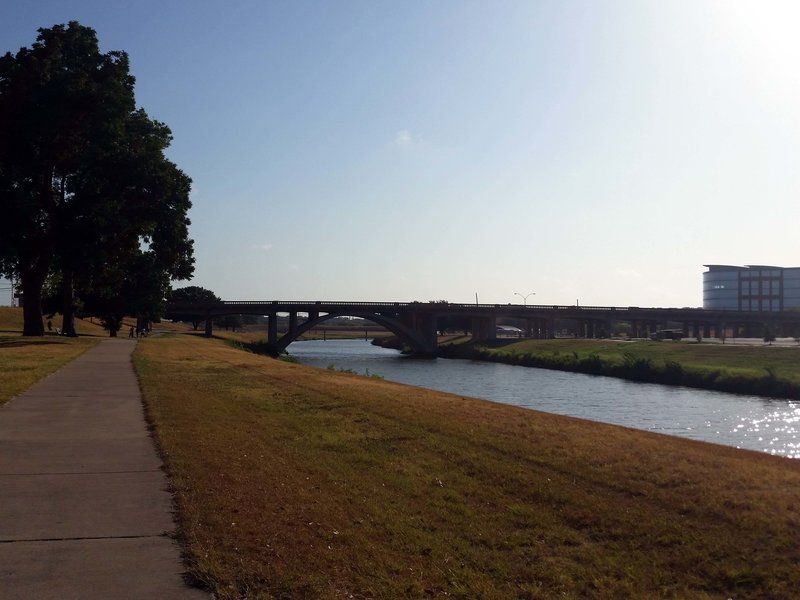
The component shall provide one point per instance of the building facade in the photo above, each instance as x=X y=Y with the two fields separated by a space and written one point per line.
x=751 y=288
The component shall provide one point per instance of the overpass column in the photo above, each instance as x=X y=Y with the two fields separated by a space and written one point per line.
x=484 y=328
x=272 y=328
x=426 y=329
x=292 y=322
x=477 y=330
x=551 y=329
x=541 y=329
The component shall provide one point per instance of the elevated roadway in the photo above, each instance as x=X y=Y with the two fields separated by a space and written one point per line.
x=417 y=323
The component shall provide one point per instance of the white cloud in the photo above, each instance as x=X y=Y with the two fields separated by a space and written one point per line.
x=403 y=139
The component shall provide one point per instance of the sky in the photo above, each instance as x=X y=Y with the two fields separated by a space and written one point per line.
x=598 y=152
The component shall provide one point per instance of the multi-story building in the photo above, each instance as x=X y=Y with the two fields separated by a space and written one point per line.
x=751 y=288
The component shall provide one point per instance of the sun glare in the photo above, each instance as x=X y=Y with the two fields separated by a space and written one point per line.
x=766 y=30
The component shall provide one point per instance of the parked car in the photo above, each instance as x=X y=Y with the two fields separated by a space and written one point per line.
x=667 y=334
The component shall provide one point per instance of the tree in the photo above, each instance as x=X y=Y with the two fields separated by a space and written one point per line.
x=143 y=217
x=137 y=289
x=233 y=322
x=84 y=184
x=187 y=300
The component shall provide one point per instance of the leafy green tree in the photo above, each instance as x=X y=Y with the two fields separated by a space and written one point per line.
x=139 y=200
x=84 y=184
x=233 y=322
x=185 y=302
x=139 y=289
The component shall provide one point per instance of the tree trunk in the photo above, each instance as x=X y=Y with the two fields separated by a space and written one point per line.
x=32 y=303
x=68 y=304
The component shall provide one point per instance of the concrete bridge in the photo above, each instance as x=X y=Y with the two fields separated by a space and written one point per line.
x=417 y=323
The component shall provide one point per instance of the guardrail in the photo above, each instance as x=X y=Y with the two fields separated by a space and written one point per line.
x=563 y=307
x=621 y=311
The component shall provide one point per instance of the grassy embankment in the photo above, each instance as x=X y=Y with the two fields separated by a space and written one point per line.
x=25 y=360
x=294 y=482
x=761 y=370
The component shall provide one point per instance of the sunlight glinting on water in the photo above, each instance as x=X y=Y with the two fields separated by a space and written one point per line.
x=749 y=422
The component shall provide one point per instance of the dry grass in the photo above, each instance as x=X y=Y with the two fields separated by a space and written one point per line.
x=25 y=360
x=293 y=482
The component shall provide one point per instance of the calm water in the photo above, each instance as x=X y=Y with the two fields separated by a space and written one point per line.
x=749 y=422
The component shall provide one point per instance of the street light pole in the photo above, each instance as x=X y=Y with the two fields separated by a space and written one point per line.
x=525 y=298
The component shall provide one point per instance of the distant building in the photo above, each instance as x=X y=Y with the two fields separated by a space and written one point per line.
x=751 y=287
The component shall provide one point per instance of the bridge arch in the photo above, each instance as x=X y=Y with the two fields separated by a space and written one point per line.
x=401 y=330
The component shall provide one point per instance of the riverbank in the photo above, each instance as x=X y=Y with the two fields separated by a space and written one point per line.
x=298 y=482
x=755 y=370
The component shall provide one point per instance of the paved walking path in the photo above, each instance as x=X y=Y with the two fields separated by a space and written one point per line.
x=84 y=506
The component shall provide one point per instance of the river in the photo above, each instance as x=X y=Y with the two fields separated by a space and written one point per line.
x=752 y=422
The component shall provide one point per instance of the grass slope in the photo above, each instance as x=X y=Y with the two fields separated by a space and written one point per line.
x=293 y=482
x=25 y=360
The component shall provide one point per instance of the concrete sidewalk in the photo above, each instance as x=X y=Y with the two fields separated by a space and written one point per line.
x=84 y=507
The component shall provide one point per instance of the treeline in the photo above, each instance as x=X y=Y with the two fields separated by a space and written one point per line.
x=94 y=215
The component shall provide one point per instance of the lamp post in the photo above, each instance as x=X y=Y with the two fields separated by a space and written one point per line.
x=525 y=298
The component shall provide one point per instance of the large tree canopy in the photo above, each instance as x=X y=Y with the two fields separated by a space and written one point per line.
x=85 y=188
x=188 y=296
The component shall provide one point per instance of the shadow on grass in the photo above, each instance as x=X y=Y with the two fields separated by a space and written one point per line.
x=18 y=343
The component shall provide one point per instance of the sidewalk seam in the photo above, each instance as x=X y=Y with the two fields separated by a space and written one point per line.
x=78 y=473
x=87 y=538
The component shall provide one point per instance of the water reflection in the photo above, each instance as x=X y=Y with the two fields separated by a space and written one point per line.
x=750 y=422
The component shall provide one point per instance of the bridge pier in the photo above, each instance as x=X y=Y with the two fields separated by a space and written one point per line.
x=426 y=329
x=272 y=329
x=484 y=329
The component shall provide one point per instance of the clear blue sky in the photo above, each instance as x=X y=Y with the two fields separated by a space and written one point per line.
x=593 y=151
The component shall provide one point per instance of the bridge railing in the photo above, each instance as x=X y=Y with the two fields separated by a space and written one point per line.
x=444 y=305
x=416 y=304
x=448 y=305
